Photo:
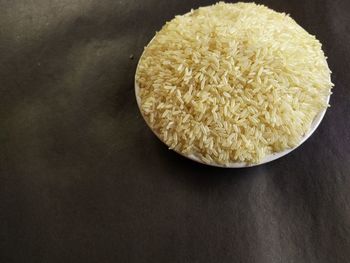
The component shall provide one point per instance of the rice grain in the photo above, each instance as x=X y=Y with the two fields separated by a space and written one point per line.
x=232 y=83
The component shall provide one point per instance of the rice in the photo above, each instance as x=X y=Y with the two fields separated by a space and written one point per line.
x=232 y=83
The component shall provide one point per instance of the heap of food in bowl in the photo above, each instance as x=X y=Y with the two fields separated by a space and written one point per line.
x=232 y=84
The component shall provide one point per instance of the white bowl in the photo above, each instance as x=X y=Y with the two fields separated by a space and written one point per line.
x=268 y=158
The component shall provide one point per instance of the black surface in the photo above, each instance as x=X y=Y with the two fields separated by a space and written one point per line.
x=82 y=178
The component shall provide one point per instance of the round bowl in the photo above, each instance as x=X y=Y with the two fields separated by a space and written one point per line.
x=268 y=158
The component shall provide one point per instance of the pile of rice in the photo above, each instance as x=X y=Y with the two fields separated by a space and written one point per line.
x=232 y=83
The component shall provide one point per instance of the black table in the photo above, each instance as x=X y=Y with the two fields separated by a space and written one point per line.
x=83 y=179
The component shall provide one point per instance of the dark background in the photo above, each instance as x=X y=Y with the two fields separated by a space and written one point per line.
x=83 y=179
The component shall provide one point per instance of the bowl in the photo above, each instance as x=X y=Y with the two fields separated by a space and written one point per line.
x=268 y=158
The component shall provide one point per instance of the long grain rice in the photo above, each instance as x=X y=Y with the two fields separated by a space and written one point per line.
x=232 y=82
